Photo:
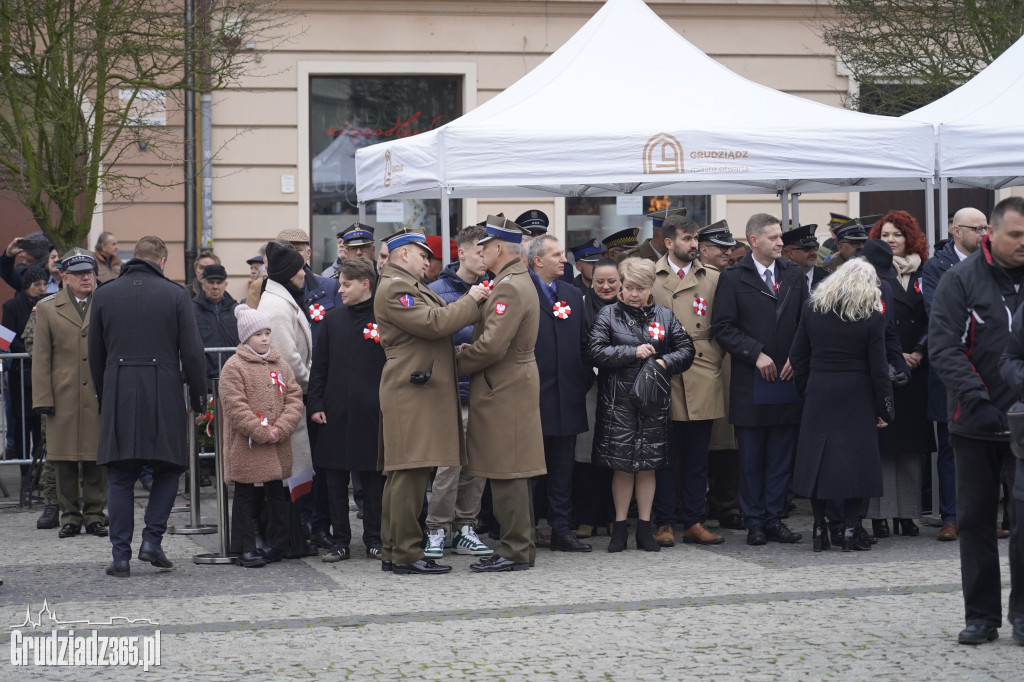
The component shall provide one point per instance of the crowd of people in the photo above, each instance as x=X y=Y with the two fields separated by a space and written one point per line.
x=688 y=378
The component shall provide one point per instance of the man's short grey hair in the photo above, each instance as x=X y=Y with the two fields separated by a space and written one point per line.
x=512 y=249
x=103 y=239
x=537 y=247
x=758 y=222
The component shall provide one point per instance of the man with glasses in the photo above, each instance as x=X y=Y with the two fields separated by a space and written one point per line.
x=62 y=389
x=968 y=227
x=800 y=247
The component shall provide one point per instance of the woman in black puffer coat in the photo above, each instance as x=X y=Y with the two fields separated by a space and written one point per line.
x=624 y=335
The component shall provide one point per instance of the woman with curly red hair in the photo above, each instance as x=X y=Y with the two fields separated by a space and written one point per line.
x=911 y=436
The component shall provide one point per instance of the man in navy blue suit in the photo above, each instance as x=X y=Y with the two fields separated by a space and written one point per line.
x=564 y=381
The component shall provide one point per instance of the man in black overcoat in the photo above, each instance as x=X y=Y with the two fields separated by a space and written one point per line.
x=564 y=381
x=142 y=338
x=757 y=308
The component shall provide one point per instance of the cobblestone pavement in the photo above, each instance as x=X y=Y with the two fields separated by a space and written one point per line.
x=725 y=612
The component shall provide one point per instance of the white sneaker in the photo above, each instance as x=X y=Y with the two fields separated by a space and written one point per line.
x=467 y=542
x=435 y=544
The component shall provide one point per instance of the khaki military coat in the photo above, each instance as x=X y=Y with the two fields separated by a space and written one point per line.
x=61 y=379
x=421 y=423
x=504 y=434
x=698 y=393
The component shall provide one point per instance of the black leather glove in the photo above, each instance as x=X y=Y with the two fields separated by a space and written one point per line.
x=899 y=379
x=48 y=411
x=984 y=416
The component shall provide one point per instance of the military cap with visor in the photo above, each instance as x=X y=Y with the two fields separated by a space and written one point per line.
x=717 y=233
x=498 y=227
x=77 y=260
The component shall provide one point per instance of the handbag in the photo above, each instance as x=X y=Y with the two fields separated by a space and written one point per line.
x=651 y=389
x=1015 y=417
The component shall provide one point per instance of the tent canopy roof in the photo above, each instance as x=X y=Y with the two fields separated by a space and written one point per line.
x=628 y=106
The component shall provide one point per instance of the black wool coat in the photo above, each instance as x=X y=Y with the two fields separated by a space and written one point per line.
x=565 y=377
x=841 y=370
x=911 y=432
x=625 y=440
x=748 y=320
x=344 y=383
x=142 y=339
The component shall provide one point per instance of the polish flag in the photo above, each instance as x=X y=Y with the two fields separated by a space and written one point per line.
x=301 y=483
x=6 y=336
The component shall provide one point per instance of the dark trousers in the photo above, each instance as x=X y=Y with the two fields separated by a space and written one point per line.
x=121 y=478
x=246 y=506
x=337 y=497
x=688 y=462
x=723 y=483
x=843 y=512
x=946 y=467
x=592 y=494
x=979 y=467
x=766 y=469
x=559 y=457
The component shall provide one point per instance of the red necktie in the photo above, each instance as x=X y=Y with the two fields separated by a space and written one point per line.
x=682 y=275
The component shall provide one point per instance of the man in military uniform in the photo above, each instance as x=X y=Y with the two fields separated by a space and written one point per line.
x=533 y=223
x=687 y=287
x=654 y=248
x=849 y=238
x=62 y=389
x=421 y=421
x=715 y=244
x=504 y=434
x=800 y=247
x=585 y=255
x=620 y=243
x=835 y=220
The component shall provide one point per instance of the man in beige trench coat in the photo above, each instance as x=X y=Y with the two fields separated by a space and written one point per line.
x=504 y=436
x=421 y=421
x=62 y=390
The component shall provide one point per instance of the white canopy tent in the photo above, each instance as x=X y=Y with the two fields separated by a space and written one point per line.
x=627 y=106
x=980 y=128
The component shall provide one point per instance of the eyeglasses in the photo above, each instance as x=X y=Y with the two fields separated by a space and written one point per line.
x=981 y=229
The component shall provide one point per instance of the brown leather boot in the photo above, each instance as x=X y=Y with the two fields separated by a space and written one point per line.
x=666 y=536
x=699 y=534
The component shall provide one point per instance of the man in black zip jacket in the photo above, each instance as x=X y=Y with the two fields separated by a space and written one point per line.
x=968 y=331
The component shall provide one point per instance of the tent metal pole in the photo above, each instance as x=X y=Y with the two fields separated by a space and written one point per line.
x=446 y=228
x=931 y=229
x=362 y=212
x=943 y=221
x=796 y=209
x=784 y=194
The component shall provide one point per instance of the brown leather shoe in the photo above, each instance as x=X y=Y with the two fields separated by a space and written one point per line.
x=1002 y=533
x=585 y=531
x=701 y=535
x=948 y=532
x=543 y=539
x=666 y=536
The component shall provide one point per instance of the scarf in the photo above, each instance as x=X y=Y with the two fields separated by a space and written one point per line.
x=905 y=267
x=259 y=355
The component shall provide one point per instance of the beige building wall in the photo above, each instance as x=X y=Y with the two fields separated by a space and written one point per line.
x=258 y=134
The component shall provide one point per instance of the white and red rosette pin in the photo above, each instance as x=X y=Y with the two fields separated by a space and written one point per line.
x=370 y=332
x=275 y=380
x=656 y=331
x=700 y=306
x=317 y=312
x=562 y=310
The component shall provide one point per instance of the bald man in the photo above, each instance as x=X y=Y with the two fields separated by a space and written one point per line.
x=968 y=227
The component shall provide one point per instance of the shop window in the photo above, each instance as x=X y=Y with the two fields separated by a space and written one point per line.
x=597 y=217
x=350 y=112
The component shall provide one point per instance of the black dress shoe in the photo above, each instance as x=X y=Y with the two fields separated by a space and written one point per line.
x=420 y=567
x=780 y=533
x=96 y=528
x=978 y=632
x=820 y=538
x=50 y=518
x=854 y=541
x=756 y=536
x=271 y=555
x=836 y=536
x=154 y=554
x=543 y=539
x=320 y=538
x=732 y=522
x=497 y=564
x=906 y=527
x=119 y=569
x=568 y=543
x=858 y=531
x=304 y=550
x=68 y=530
x=252 y=560
x=386 y=566
x=880 y=528
x=204 y=481
x=1018 y=630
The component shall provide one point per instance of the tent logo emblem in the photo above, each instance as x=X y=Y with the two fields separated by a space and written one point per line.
x=663 y=154
x=387 y=168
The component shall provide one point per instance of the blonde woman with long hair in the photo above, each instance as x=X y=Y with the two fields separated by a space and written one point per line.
x=840 y=367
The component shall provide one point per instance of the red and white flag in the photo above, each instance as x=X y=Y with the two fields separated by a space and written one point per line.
x=301 y=483
x=6 y=336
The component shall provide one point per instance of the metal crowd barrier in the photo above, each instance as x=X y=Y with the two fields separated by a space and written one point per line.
x=223 y=526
